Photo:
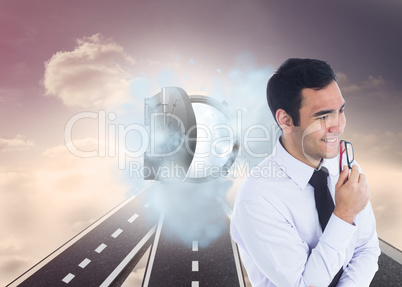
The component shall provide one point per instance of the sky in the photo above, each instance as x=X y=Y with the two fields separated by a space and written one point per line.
x=80 y=70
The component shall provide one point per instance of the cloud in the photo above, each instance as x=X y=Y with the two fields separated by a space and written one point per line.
x=17 y=144
x=380 y=156
x=96 y=73
x=45 y=203
x=11 y=263
x=86 y=145
x=386 y=199
x=372 y=83
x=379 y=145
x=193 y=210
x=10 y=96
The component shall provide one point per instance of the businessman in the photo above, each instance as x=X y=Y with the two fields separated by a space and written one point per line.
x=306 y=223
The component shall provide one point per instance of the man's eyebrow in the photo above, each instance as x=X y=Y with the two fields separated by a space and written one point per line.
x=324 y=112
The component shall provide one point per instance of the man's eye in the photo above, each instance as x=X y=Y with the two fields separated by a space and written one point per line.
x=323 y=117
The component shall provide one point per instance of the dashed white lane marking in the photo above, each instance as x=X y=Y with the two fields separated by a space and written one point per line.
x=84 y=263
x=195 y=246
x=68 y=278
x=117 y=233
x=195 y=284
x=148 y=204
x=132 y=218
x=194 y=266
x=100 y=248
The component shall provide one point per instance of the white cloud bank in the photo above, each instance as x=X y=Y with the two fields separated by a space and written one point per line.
x=96 y=73
x=46 y=203
x=16 y=144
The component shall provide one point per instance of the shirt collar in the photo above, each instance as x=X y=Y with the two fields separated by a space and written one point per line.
x=298 y=171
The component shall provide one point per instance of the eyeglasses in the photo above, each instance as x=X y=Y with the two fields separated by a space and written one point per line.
x=346 y=147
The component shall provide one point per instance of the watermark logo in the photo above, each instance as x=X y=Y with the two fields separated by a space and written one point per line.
x=173 y=171
x=256 y=141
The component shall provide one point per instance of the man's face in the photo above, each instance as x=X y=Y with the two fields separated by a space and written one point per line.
x=322 y=120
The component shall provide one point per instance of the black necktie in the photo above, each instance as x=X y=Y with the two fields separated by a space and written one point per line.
x=323 y=200
x=324 y=204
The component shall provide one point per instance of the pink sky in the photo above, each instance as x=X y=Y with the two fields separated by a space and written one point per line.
x=60 y=59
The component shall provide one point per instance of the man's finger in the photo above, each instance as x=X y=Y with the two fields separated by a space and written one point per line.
x=354 y=174
x=343 y=177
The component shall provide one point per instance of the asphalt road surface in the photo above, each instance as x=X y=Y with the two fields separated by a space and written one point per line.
x=105 y=254
x=98 y=258
x=176 y=262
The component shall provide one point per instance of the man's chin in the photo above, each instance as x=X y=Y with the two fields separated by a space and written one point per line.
x=331 y=155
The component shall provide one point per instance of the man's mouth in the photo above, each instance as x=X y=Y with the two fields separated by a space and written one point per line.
x=329 y=140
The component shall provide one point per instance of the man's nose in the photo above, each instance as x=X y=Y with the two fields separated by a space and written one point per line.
x=336 y=123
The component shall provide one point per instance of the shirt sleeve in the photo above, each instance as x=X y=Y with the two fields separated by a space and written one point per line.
x=276 y=248
x=363 y=265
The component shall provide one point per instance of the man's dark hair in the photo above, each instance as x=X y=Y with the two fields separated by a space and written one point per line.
x=285 y=86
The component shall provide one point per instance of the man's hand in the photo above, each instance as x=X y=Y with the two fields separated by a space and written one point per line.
x=351 y=195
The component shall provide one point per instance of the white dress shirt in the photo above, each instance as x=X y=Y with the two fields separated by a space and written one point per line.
x=281 y=243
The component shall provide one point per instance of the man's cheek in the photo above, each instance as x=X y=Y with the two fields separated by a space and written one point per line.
x=315 y=126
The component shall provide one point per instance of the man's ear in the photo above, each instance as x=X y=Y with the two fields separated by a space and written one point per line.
x=284 y=121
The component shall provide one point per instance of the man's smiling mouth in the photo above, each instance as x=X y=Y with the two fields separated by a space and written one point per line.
x=329 y=140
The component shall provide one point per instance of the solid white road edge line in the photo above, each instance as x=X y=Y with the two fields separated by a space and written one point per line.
x=128 y=258
x=153 y=251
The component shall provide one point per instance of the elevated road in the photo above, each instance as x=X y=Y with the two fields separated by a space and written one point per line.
x=105 y=254
x=175 y=261
x=98 y=257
